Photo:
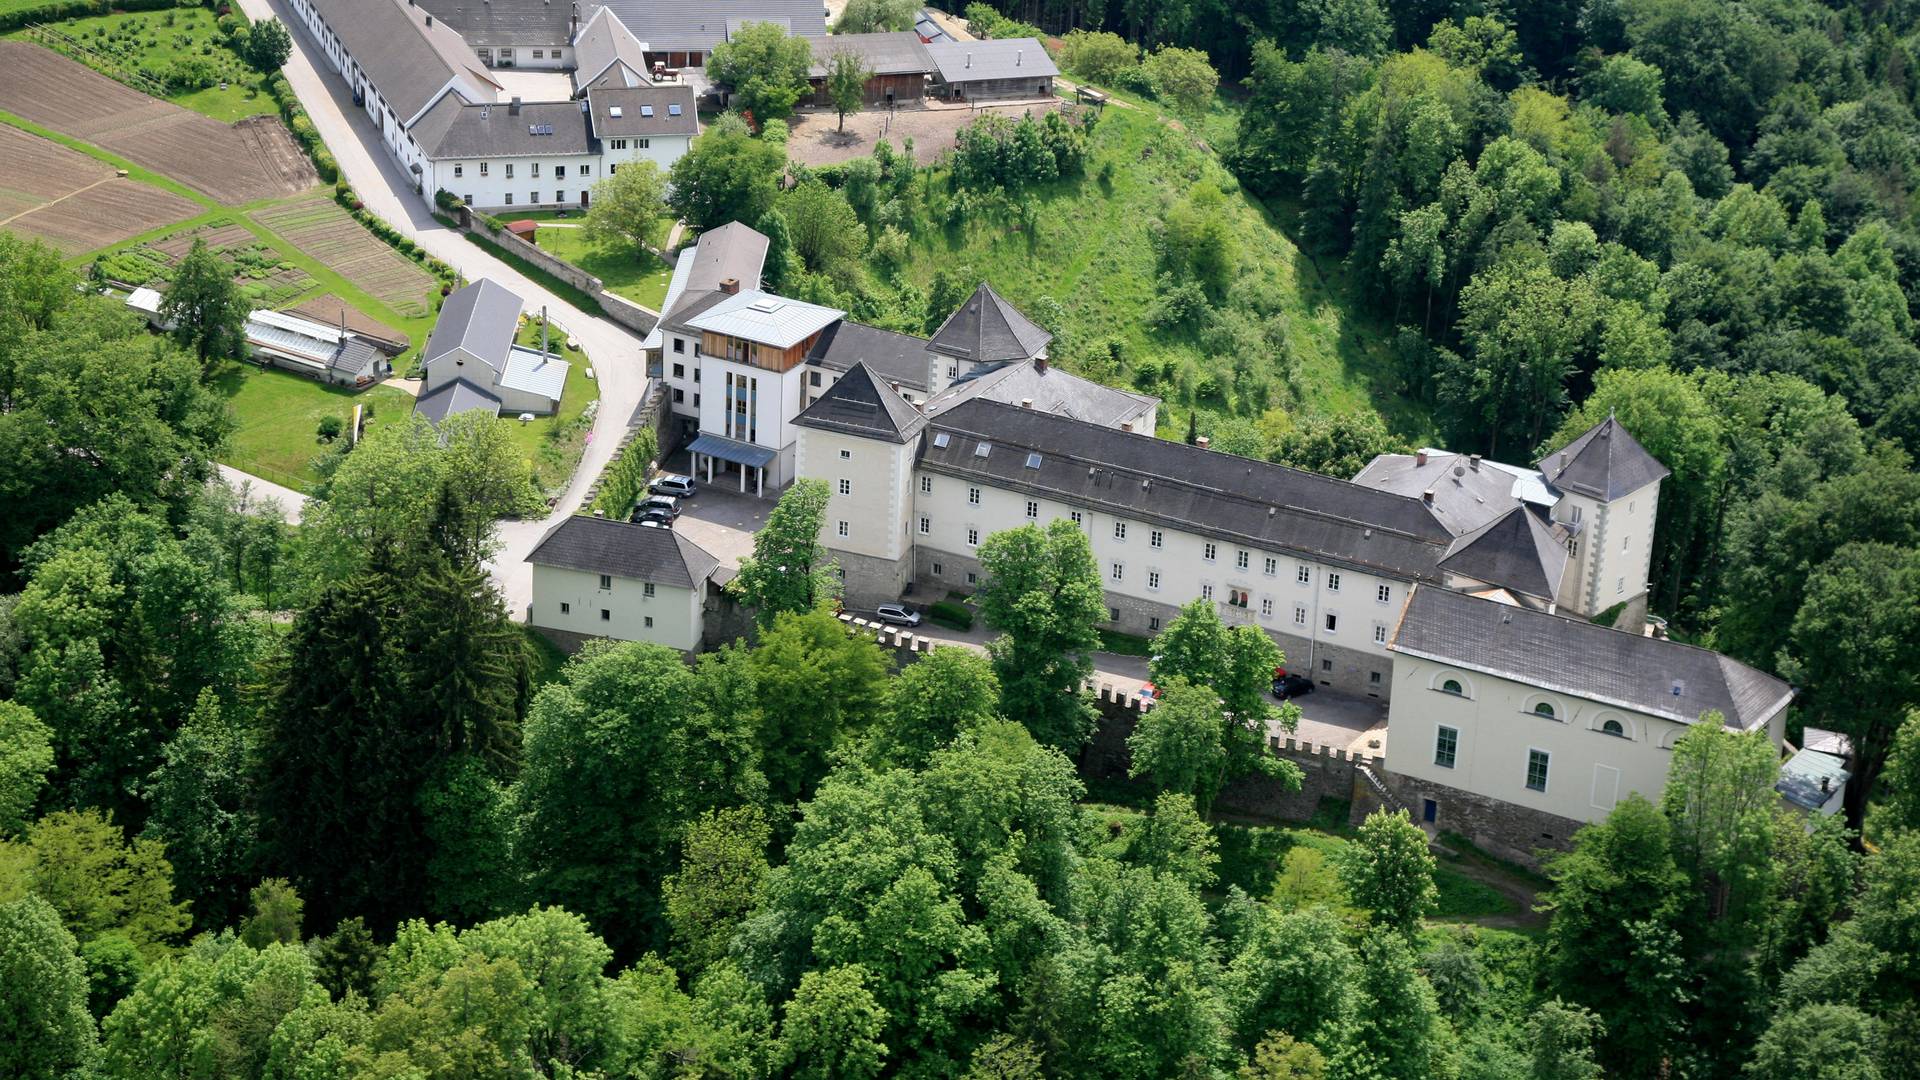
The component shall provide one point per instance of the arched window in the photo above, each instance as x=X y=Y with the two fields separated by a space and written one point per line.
x=1452 y=686
x=1614 y=727
x=1544 y=708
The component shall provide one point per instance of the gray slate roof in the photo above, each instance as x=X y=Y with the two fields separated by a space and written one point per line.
x=731 y=251
x=603 y=39
x=505 y=22
x=1049 y=388
x=861 y=405
x=1516 y=551
x=455 y=397
x=634 y=103
x=480 y=318
x=453 y=129
x=681 y=27
x=1801 y=776
x=1606 y=462
x=987 y=329
x=897 y=53
x=623 y=549
x=407 y=60
x=999 y=58
x=1464 y=497
x=895 y=358
x=1576 y=657
x=1147 y=479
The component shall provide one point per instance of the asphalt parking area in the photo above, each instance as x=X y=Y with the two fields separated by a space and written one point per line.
x=723 y=522
x=1342 y=721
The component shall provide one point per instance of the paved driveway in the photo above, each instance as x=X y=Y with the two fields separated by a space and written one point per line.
x=613 y=351
x=1343 y=721
x=723 y=522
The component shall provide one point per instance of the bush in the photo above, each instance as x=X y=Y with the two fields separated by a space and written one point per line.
x=330 y=428
x=1098 y=56
x=952 y=615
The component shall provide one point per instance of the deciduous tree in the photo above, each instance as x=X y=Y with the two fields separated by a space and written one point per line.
x=204 y=309
x=1388 y=871
x=43 y=995
x=789 y=572
x=763 y=67
x=847 y=76
x=728 y=175
x=628 y=207
x=1042 y=593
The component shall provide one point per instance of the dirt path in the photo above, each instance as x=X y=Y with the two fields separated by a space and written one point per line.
x=61 y=199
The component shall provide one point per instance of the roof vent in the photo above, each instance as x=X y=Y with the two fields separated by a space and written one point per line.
x=1026 y=403
x=1419 y=457
x=1146 y=484
x=1033 y=461
x=613 y=111
x=1016 y=58
x=514 y=105
x=429 y=20
x=941 y=439
x=765 y=306
x=646 y=110
x=1427 y=496
x=1474 y=461
x=1366 y=534
x=983 y=449
x=1459 y=470
x=1202 y=442
x=1679 y=687
x=969 y=59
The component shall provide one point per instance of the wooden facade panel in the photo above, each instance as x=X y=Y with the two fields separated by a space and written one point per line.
x=908 y=87
x=742 y=351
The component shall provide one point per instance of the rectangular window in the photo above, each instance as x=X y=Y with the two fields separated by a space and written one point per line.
x=509 y=199
x=1272 y=566
x=459 y=171
x=560 y=195
x=565 y=607
x=1153 y=622
x=559 y=172
x=586 y=170
x=539 y=54
x=1119 y=530
x=1383 y=593
x=1206 y=592
x=1304 y=575
x=533 y=172
x=642 y=144
x=846 y=455
x=1209 y=552
x=648 y=620
x=846 y=487
x=1119 y=572
x=679 y=396
x=1113 y=614
x=605 y=615
x=973 y=496
x=1333 y=622
x=468 y=199
x=1326 y=665
x=1446 y=746
x=1379 y=633
x=1241 y=560
x=679 y=370
x=533 y=196
x=1153 y=579
x=1075 y=515
x=483 y=168
x=1033 y=509
x=1537 y=770
x=938 y=571
x=1266 y=607
x=843 y=528
x=1237 y=597
x=1299 y=614
x=926 y=525
x=1373 y=678
x=1155 y=538
x=509 y=170
x=973 y=536
x=926 y=485
x=1333 y=582
x=646 y=589
x=606 y=581
x=679 y=346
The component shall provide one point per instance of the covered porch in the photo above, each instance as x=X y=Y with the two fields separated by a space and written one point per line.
x=731 y=454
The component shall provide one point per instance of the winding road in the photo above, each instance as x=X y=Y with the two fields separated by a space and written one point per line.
x=612 y=350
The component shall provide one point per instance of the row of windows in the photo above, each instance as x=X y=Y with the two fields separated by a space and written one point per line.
x=1544 y=709
x=559 y=196
x=606 y=614
x=1446 y=751
x=1210 y=551
x=533 y=170
x=606 y=585
x=621 y=144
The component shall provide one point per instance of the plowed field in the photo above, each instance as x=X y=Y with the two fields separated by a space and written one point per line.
x=72 y=201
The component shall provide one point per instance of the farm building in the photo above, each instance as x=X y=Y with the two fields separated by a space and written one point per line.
x=642 y=123
x=683 y=35
x=899 y=63
x=606 y=54
x=982 y=70
x=471 y=361
x=147 y=302
x=512 y=33
x=316 y=350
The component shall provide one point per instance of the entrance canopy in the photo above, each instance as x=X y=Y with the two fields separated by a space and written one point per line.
x=739 y=453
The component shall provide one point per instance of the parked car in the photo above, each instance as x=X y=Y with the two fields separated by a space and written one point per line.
x=664 y=504
x=1149 y=692
x=680 y=487
x=654 y=519
x=1291 y=686
x=897 y=614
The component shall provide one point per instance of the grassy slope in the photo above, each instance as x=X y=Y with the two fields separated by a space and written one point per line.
x=639 y=276
x=1092 y=251
x=146 y=41
x=278 y=414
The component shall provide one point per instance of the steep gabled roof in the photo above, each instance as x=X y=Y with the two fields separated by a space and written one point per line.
x=1516 y=551
x=407 y=54
x=987 y=329
x=602 y=41
x=505 y=22
x=642 y=111
x=1572 y=656
x=1049 y=388
x=481 y=319
x=1606 y=463
x=451 y=398
x=859 y=404
x=622 y=549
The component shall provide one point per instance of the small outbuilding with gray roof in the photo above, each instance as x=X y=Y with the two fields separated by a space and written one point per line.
x=472 y=344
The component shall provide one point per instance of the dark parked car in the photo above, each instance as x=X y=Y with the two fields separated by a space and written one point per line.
x=662 y=504
x=1291 y=686
x=653 y=519
x=680 y=487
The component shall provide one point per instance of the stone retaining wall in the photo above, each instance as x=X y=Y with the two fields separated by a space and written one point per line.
x=634 y=317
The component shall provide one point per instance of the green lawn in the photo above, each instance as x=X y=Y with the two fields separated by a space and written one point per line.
x=553 y=444
x=639 y=276
x=160 y=45
x=278 y=415
x=1090 y=250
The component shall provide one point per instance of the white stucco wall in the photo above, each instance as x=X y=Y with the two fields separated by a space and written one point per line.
x=485 y=183
x=676 y=613
x=877 y=477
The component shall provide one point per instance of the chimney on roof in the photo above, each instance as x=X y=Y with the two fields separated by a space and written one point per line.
x=1202 y=442
x=969 y=58
x=1560 y=465
x=1474 y=461
x=429 y=19
x=1126 y=426
x=1040 y=364
x=1427 y=496
x=1826 y=784
x=1419 y=458
x=514 y=106
x=1026 y=403
x=730 y=286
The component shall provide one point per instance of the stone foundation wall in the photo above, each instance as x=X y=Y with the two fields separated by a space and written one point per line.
x=1516 y=833
x=871 y=580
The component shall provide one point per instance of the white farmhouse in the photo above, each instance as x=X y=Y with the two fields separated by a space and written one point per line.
x=596 y=577
x=472 y=363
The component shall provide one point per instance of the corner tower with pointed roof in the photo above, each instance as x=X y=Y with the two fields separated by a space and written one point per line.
x=985 y=330
x=1609 y=488
x=861 y=437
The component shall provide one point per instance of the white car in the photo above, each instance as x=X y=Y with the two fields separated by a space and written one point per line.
x=897 y=614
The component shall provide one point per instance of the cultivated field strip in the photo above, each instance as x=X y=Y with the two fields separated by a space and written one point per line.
x=322 y=229
x=233 y=164
x=37 y=171
x=103 y=214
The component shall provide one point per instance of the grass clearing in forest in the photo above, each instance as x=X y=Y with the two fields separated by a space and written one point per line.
x=278 y=418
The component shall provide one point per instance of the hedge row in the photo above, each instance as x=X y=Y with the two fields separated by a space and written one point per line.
x=58 y=10
x=952 y=615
